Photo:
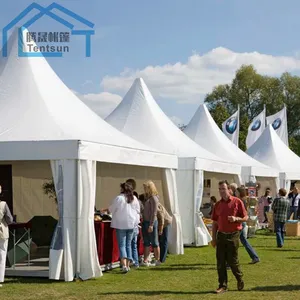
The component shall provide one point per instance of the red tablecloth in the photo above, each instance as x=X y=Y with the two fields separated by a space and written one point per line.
x=107 y=244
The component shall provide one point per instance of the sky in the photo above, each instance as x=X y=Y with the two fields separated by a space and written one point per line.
x=182 y=49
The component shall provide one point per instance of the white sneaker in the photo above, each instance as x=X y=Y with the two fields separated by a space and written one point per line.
x=145 y=264
x=124 y=270
x=157 y=263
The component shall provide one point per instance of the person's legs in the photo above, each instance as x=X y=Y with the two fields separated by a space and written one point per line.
x=3 y=253
x=266 y=209
x=129 y=236
x=163 y=243
x=279 y=232
x=154 y=241
x=121 y=238
x=221 y=260
x=233 y=259
x=248 y=247
x=147 y=242
x=282 y=231
x=135 y=254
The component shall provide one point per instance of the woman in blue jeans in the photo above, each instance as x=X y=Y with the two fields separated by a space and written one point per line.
x=125 y=210
x=244 y=232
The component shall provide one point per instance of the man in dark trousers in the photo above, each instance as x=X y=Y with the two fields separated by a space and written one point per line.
x=228 y=215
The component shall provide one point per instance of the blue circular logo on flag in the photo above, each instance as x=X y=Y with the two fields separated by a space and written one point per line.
x=231 y=125
x=276 y=124
x=256 y=125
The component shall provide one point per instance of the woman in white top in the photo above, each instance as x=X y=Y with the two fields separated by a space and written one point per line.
x=125 y=210
x=5 y=219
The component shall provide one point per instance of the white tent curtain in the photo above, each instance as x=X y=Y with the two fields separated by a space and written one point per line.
x=87 y=258
x=283 y=182
x=73 y=248
x=238 y=179
x=170 y=190
x=277 y=183
x=202 y=236
x=63 y=246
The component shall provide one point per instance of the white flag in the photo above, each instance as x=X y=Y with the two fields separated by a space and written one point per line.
x=231 y=127
x=279 y=124
x=256 y=128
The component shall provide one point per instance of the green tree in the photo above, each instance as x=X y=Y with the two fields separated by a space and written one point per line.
x=251 y=91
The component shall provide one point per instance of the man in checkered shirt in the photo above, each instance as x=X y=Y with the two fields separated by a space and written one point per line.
x=280 y=208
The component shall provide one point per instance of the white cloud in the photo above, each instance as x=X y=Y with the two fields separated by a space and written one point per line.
x=103 y=103
x=87 y=83
x=188 y=82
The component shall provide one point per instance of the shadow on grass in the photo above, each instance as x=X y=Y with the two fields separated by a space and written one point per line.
x=186 y=268
x=265 y=247
x=278 y=288
x=31 y=280
x=185 y=265
x=155 y=293
x=282 y=250
x=293 y=257
x=36 y=280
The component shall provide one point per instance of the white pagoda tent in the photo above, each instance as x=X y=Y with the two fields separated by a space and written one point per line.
x=204 y=131
x=139 y=116
x=42 y=121
x=272 y=151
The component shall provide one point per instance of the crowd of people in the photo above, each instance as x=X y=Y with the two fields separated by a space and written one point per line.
x=131 y=211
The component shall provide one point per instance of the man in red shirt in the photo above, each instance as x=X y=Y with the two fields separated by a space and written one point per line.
x=228 y=215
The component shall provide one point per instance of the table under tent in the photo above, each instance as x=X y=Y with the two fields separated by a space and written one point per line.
x=272 y=151
x=45 y=132
x=204 y=131
x=139 y=116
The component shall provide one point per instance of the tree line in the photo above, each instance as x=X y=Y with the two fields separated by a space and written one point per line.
x=252 y=91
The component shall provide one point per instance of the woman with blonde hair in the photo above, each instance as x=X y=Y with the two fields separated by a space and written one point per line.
x=150 y=223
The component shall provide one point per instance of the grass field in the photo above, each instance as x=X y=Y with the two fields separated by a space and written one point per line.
x=190 y=276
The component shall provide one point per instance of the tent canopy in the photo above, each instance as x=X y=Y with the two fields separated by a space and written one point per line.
x=139 y=116
x=272 y=151
x=204 y=131
x=40 y=118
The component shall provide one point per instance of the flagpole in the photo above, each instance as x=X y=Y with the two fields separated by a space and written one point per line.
x=238 y=137
x=265 y=116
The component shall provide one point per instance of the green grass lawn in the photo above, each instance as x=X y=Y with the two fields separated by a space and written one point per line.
x=190 y=276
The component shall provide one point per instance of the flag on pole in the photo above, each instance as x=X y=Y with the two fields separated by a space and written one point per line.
x=279 y=124
x=256 y=128
x=231 y=127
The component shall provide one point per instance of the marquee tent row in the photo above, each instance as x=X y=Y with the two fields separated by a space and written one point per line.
x=139 y=116
x=204 y=131
x=42 y=121
x=272 y=151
